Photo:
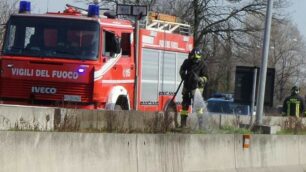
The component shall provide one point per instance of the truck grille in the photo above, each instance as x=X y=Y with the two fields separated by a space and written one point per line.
x=22 y=89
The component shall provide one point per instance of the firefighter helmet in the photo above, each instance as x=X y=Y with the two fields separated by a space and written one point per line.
x=196 y=53
x=295 y=90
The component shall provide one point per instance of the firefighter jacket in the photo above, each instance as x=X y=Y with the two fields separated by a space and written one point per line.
x=293 y=105
x=194 y=73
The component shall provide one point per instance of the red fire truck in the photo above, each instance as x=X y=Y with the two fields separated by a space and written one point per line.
x=91 y=61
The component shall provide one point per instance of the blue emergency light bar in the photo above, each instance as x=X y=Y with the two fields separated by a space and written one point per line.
x=81 y=70
x=93 y=10
x=24 y=7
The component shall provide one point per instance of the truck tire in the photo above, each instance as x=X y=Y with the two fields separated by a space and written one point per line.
x=122 y=103
x=117 y=107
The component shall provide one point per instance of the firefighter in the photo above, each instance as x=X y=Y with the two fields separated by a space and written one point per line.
x=194 y=74
x=293 y=104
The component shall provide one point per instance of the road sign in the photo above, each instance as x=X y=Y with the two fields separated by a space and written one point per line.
x=124 y=9
x=139 y=9
x=132 y=10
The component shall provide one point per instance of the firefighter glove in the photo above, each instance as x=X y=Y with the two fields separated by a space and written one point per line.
x=202 y=80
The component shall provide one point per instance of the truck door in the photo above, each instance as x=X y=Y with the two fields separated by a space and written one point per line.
x=117 y=53
x=127 y=63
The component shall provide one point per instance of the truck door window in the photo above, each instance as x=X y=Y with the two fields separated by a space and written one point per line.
x=2 y=30
x=50 y=36
x=126 y=44
x=11 y=38
x=29 y=34
x=111 y=44
x=33 y=39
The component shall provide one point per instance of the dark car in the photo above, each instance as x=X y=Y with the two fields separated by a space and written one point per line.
x=223 y=105
x=220 y=105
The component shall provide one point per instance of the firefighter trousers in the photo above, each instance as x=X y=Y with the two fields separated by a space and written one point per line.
x=188 y=96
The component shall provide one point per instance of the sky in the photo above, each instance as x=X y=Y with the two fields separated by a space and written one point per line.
x=297 y=12
x=41 y=6
x=296 y=9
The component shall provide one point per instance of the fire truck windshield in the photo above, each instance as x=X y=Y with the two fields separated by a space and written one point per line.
x=52 y=38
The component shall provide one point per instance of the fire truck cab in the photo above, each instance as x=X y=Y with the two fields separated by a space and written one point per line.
x=69 y=59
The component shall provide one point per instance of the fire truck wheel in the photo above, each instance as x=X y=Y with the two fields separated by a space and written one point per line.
x=117 y=107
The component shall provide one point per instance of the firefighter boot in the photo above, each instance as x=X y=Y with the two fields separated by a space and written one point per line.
x=183 y=121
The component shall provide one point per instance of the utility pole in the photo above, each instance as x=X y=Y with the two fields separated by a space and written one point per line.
x=136 y=51
x=264 y=64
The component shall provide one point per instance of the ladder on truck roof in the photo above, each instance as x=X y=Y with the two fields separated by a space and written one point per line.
x=168 y=27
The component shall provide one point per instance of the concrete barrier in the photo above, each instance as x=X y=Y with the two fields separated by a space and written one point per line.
x=14 y=117
x=97 y=152
x=154 y=122
x=60 y=119
x=111 y=121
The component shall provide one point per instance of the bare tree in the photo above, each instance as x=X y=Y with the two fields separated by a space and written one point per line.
x=7 y=7
x=220 y=28
x=287 y=50
x=215 y=16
